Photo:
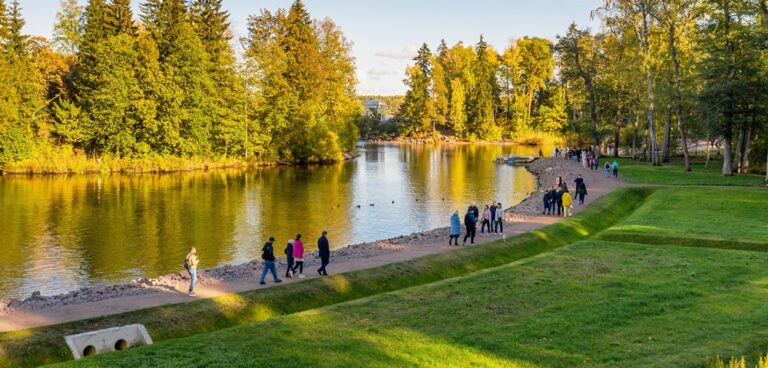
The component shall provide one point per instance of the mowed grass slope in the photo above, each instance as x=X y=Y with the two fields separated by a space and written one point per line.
x=674 y=174
x=44 y=345
x=596 y=304
x=705 y=217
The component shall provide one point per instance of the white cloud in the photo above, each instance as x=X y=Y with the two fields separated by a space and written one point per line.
x=404 y=53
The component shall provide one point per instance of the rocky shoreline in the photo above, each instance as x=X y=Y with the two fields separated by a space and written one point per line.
x=547 y=171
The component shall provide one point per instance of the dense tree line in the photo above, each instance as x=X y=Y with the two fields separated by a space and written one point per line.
x=479 y=93
x=657 y=76
x=169 y=83
x=669 y=71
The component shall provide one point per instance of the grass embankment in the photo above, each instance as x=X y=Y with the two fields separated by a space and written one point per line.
x=700 y=217
x=594 y=303
x=674 y=174
x=46 y=345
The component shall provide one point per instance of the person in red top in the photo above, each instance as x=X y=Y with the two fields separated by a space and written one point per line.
x=298 y=256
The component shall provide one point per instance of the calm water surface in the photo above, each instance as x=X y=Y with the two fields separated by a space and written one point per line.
x=61 y=233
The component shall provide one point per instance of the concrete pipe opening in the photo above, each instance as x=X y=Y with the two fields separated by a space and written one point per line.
x=121 y=345
x=89 y=350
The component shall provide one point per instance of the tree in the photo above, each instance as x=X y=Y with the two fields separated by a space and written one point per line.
x=17 y=41
x=536 y=67
x=109 y=98
x=480 y=111
x=211 y=23
x=726 y=70
x=457 y=113
x=68 y=29
x=417 y=111
x=94 y=29
x=677 y=17
x=579 y=51
x=118 y=18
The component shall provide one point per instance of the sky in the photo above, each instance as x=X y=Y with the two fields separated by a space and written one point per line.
x=386 y=33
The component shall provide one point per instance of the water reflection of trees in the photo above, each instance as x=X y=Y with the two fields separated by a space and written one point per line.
x=63 y=232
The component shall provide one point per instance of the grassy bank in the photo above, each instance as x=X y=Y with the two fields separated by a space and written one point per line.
x=674 y=174
x=46 y=345
x=726 y=215
x=596 y=304
x=64 y=160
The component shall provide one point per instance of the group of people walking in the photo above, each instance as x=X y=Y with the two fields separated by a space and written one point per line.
x=588 y=160
x=492 y=219
x=294 y=253
x=559 y=201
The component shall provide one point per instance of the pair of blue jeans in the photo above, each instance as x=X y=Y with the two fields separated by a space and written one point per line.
x=269 y=266
x=192 y=279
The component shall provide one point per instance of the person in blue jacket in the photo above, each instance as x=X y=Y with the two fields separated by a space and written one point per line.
x=455 y=228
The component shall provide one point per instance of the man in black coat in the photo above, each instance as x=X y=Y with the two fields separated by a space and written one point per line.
x=470 y=221
x=324 y=250
x=493 y=217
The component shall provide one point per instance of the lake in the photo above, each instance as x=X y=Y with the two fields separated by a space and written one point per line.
x=61 y=233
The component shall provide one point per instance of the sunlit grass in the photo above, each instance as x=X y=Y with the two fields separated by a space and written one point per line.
x=595 y=304
x=674 y=174
x=699 y=213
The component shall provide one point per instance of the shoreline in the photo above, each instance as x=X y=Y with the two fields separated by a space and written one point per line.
x=158 y=165
x=543 y=169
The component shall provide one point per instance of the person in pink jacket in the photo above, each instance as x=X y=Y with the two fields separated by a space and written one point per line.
x=298 y=256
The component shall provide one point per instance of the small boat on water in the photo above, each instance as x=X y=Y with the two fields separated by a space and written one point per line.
x=515 y=160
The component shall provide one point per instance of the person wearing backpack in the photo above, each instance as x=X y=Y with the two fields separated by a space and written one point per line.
x=289 y=259
x=268 y=255
x=298 y=256
x=190 y=263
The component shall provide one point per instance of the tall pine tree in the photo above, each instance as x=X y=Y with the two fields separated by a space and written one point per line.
x=17 y=41
x=118 y=18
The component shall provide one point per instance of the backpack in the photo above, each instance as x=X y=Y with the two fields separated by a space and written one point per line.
x=186 y=264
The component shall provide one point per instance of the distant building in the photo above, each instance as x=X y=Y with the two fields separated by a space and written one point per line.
x=376 y=109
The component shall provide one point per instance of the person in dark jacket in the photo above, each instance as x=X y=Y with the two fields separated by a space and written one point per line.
x=579 y=180
x=546 y=202
x=552 y=201
x=470 y=221
x=268 y=255
x=493 y=218
x=475 y=211
x=324 y=250
x=289 y=259
x=559 y=201
x=581 y=192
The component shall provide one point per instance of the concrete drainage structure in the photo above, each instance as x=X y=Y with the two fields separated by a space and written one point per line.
x=110 y=339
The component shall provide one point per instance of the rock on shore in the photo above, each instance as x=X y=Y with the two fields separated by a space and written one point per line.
x=547 y=170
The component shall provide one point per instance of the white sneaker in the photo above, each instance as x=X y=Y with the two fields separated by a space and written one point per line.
x=302 y=276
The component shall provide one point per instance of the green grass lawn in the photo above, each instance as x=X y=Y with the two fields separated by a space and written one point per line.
x=697 y=215
x=675 y=174
x=596 y=304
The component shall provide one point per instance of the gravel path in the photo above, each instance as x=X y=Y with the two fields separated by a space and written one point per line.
x=101 y=300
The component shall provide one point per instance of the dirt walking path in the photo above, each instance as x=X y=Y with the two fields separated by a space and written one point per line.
x=524 y=217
